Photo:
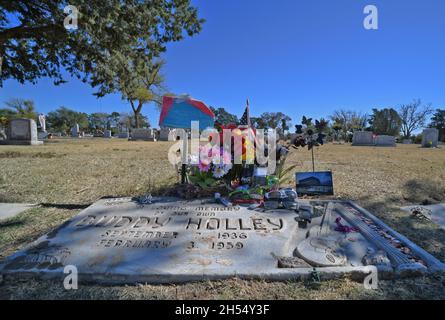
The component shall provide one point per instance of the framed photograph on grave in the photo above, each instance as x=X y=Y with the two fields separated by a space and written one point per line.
x=314 y=183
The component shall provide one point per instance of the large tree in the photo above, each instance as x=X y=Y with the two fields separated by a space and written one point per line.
x=21 y=108
x=414 y=116
x=385 y=122
x=438 y=119
x=139 y=81
x=63 y=119
x=222 y=116
x=438 y=122
x=272 y=120
x=348 y=120
x=34 y=42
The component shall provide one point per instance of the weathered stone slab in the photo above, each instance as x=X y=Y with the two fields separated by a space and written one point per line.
x=167 y=134
x=123 y=135
x=9 y=210
x=143 y=134
x=430 y=138
x=22 y=132
x=363 y=138
x=75 y=131
x=107 y=134
x=385 y=141
x=171 y=240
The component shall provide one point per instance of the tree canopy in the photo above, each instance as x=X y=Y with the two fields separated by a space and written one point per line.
x=224 y=117
x=438 y=119
x=63 y=119
x=348 y=120
x=34 y=42
x=385 y=122
x=413 y=116
x=20 y=108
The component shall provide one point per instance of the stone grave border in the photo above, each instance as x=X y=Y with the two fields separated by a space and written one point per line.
x=357 y=273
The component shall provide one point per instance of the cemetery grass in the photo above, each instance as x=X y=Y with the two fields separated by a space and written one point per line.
x=65 y=176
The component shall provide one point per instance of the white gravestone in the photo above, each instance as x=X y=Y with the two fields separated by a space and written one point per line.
x=363 y=138
x=22 y=131
x=430 y=138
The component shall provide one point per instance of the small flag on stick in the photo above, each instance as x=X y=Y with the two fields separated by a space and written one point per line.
x=245 y=119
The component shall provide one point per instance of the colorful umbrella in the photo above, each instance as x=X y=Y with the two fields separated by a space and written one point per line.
x=179 y=112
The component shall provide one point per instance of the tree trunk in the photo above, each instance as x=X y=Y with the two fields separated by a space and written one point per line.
x=136 y=119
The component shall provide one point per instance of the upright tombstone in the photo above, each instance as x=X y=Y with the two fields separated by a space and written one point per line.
x=75 y=131
x=42 y=134
x=442 y=135
x=22 y=132
x=167 y=134
x=385 y=141
x=363 y=138
x=143 y=134
x=124 y=135
x=407 y=141
x=430 y=138
x=107 y=134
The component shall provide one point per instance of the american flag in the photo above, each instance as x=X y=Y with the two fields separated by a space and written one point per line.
x=245 y=119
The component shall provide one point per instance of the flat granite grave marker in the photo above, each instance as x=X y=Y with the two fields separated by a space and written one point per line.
x=171 y=240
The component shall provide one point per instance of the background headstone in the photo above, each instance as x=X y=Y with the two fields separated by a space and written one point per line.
x=107 y=134
x=385 y=141
x=22 y=131
x=143 y=134
x=363 y=138
x=124 y=135
x=442 y=135
x=75 y=131
x=167 y=134
x=42 y=121
x=430 y=138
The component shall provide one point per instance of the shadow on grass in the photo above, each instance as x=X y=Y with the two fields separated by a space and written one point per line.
x=65 y=206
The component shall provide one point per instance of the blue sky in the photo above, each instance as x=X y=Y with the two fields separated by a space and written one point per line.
x=298 y=57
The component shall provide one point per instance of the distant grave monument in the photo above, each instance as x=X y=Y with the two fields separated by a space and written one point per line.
x=168 y=240
x=430 y=138
x=75 y=131
x=363 y=138
x=22 y=132
x=123 y=135
x=143 y=134
x=107 y=134
x=385 y=141
x=42 y=134
x=167 y=134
